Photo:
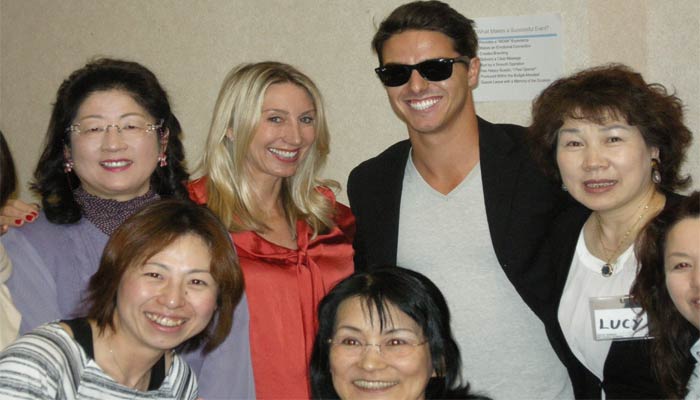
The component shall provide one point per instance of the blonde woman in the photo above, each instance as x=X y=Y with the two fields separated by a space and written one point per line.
x=267 y=143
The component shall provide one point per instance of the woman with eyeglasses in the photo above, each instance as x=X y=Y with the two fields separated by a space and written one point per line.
x=113 y=146
x=386 y=334
x=165 y=274
x=616 y=144
x=668 y=289
x=267 y=143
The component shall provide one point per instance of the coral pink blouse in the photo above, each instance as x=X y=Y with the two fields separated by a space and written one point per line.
x=284 y=287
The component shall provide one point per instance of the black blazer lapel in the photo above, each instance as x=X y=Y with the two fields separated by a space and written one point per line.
x=389 y=205
x=499 y=172
x=374 y=189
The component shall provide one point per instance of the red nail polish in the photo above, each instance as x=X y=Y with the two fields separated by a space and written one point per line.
x=34 y=213
x=29 y=218
x=18 y=221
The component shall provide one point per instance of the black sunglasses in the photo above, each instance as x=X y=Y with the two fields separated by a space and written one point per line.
x=437 y=69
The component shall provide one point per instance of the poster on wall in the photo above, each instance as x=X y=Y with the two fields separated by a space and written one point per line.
x=519 y=56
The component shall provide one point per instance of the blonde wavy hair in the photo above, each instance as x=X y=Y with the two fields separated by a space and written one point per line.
x=237 y=114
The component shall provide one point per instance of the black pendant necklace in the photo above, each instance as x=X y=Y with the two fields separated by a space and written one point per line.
x=609 y=267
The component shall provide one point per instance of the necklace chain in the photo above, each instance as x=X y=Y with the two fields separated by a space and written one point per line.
x=608 y=268
x=116 y=363
x=114 y=358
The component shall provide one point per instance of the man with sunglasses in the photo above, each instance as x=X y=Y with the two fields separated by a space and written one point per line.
x=461 y=202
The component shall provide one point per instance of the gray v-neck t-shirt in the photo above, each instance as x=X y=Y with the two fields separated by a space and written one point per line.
x=505 y=351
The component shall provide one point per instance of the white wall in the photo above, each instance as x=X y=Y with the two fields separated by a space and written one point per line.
x=191 y=45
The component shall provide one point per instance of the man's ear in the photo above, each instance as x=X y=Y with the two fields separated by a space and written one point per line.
x=474 y=70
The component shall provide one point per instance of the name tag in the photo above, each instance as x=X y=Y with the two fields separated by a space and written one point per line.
x=618 y=318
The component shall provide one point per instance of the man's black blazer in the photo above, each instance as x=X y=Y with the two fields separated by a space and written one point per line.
x=520 y=205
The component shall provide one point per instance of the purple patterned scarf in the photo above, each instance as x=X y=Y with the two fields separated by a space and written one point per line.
x=108 y=214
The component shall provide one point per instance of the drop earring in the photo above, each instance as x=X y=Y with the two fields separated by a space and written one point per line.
x=655 y=173
x=162 y=157
x=68 y=165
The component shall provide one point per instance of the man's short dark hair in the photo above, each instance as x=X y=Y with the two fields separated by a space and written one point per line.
x=429 y=16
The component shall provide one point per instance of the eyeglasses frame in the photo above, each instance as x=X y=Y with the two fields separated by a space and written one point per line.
x=365 y=346
x=149 y=128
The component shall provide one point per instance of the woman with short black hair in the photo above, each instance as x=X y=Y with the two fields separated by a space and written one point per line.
x=417 y=356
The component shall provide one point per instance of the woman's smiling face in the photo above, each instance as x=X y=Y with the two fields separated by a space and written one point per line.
x=169 y=299
x=362 y=371
x=604 y=166
x=682 y=266
x=111 y=165
x=285 y=133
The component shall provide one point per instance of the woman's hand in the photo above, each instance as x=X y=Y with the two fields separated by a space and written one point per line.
x=16 y=213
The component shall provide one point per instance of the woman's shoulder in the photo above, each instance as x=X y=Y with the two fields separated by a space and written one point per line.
x=39 y=229
x=342 y=215
x=178 y=366
x=53 y=243
x=329 y=194
x=48 y=349
x=45 y=362
x=44 y=231
x=197 y=189
x=48 y=339
x=181 y=378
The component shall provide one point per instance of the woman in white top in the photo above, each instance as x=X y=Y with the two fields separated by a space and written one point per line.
x=668 y=288
x=163 y=275
x=616 y=144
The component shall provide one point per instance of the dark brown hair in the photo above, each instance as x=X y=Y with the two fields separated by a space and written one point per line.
x=8 y=176
x=148 y=232
x=673 y=334
x=429 y=16
x=613 y=90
